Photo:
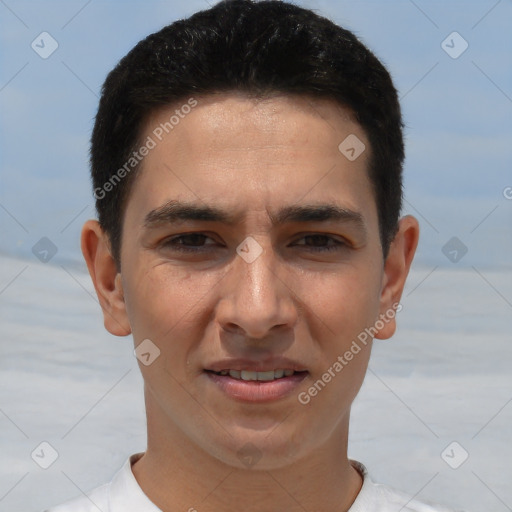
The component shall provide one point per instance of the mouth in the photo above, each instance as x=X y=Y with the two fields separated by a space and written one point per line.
x=256 y=386
x=264 y=376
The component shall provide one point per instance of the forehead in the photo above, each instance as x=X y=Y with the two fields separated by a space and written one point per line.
x=244 y=153
x=235 y=122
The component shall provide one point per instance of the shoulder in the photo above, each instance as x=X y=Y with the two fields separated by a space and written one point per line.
x=397 y=500
x=375 y=497
x=121 y=494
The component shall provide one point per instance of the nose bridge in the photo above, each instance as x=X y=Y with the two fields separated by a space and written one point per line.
x=257 y=277
x=258 y=299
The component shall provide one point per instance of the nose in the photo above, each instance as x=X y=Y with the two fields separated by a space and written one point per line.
x=256 y=299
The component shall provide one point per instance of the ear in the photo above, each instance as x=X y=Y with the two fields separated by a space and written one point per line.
x=107 y=280
x=396 y=268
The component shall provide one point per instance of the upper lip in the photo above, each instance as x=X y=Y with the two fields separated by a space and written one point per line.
x=274 y=363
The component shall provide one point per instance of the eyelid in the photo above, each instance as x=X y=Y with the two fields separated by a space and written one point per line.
x=337 y=243
x=335 y=238
x=168 y=240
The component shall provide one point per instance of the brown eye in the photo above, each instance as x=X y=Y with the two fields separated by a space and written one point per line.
x=322 y=243
x=190 y=242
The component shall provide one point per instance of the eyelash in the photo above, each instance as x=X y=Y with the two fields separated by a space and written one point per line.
x=171 y=242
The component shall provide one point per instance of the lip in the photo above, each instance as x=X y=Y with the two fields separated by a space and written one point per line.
x=256 y=391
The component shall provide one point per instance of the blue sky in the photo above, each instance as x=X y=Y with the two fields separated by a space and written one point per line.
x=458 y=113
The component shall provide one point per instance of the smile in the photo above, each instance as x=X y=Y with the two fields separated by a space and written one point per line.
x=253 y=386
x=248 y=375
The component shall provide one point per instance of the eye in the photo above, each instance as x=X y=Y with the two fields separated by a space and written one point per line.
x=195 y=243
x=318 y=243
x=190 y=242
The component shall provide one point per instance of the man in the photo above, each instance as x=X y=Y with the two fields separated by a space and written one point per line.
x=247 y=171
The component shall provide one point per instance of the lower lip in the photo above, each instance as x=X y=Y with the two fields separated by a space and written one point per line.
x=257 y=391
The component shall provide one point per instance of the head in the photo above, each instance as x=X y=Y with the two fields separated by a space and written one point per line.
x=247 y=167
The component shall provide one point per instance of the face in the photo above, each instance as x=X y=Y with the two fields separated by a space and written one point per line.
x=251 y=243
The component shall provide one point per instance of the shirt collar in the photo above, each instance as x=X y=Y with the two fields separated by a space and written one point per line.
x=125 y=493
x=367 y=499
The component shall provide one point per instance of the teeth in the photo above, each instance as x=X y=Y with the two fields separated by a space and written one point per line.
x=251 y=375
x=248 y=375
x=279 y=373
x=270 y=375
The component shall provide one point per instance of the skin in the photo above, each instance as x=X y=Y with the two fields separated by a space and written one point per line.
x=250 y=158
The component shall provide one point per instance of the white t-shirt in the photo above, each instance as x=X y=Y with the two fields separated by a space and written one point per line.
x=123 y=494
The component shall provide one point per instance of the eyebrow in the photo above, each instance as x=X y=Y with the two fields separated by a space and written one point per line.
x=176 y=211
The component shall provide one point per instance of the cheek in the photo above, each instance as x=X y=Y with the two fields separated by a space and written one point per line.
x=165 y=305
x=344 y=301
x=341 y=307
x=162 y=301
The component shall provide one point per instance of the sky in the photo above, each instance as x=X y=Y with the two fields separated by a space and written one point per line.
x=450 y=61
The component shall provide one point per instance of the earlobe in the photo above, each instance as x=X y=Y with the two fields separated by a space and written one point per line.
x=396 y=270
x=105 y=277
